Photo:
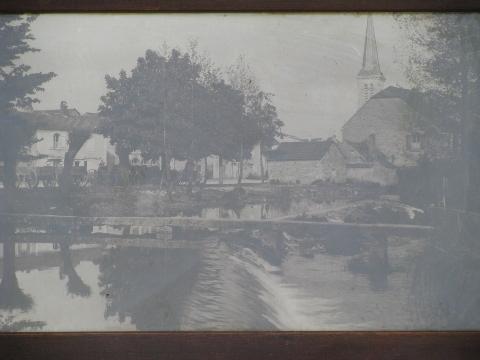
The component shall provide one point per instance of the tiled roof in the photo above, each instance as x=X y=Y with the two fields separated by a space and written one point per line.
x=62 y=120
x=300 y=151
x=422 y=103
x=387 y=106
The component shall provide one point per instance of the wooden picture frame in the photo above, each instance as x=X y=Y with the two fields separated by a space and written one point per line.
x=239 y=345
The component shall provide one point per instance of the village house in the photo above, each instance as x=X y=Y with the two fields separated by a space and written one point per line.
x=360 y=157
x=229 y=169
x=251 y=166
x=401 y=132
x=53 y=127
x=306 y=162
x=364 y=163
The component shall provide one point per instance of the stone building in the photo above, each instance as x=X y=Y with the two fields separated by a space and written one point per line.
x=329 y=160
x=394 y=121
x=305 y=162
x=364 y=163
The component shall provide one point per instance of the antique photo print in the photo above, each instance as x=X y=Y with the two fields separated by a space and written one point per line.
x=239 y=172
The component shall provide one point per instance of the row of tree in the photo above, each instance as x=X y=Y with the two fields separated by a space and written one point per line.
x=444 y=62
x=171 y=105
x=178 y=105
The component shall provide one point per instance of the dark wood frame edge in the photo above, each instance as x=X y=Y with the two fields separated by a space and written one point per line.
x=379 y=345
x=16 y=6
x=241 y=345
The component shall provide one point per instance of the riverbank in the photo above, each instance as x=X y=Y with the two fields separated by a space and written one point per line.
x=152 y=201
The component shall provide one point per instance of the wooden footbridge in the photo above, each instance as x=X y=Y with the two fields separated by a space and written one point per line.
x=79 y=223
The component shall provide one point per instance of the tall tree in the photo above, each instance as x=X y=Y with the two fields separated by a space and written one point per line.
x=226 y=118
x=77 y=137
x=270 y=125
x=18 y=89
x=260 y=124
x=148 y=110
x=445 y=58
x=171 y=107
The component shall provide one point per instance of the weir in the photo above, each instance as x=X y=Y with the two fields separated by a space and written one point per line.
x=77 y=223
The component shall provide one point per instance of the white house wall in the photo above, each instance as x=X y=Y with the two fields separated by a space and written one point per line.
x=97 y=149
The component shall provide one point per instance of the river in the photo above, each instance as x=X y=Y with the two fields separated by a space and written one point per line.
x=260 y=280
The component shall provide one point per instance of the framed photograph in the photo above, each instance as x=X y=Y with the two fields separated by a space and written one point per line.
x=230 y=180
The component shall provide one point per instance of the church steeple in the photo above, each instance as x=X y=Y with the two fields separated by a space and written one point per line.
x=370 y=78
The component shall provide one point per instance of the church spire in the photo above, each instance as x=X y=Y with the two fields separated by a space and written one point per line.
x=370 y=78
x=370 y=64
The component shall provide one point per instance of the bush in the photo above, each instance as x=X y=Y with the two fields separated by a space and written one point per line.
x=252 y=176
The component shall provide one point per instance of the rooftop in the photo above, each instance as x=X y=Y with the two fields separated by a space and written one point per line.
x=62 y=120
x=300 y=151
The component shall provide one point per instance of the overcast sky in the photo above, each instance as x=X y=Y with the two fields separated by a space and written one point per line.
x=308 y=61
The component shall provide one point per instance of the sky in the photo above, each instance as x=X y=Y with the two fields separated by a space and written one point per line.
x=308 y=61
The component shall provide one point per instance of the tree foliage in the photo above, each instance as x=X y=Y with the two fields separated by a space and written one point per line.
x=176 y=105
x=18 y=89
x=260 y=123
x=445 y=61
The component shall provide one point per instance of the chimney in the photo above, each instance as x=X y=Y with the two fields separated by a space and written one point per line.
x=64 y=107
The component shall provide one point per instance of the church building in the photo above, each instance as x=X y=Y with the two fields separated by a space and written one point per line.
x=370 y=79
x=392 y=120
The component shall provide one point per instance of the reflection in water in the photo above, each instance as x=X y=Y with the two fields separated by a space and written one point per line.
x=337 y=279
x=75 y=284
x=11 y=295
x=147 y=285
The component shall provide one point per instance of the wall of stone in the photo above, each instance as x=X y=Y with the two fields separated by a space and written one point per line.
x=390 y=120
x=377 y=174
x=331 y=167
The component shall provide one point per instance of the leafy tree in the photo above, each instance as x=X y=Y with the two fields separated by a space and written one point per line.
x=260 y=123
x=148 y=110
x=445 y=58
x=169 y=108
x=18 y=88
x=176 y=105
x=270 y=125
x=226 y=117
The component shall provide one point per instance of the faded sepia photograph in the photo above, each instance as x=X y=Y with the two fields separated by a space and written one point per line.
x=239 y=172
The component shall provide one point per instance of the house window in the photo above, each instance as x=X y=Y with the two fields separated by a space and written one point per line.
x=414 y=142
x=56 y=139
x=77 y=163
